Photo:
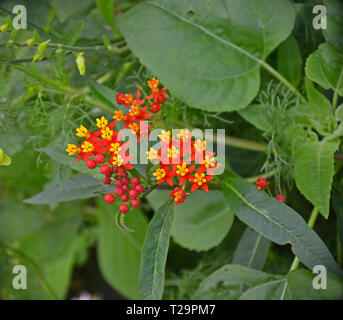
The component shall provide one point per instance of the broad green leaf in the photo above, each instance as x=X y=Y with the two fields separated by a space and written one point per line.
x=228 y=282
x=4 y=159
x=334 y=31
x=119 y=252
x=252 y=250
x=208 y=53
x=201 y=222
x=320 y=107
x=257 y=114
x=325 y=66
x=297 y=285
x=73 y=34
x=277 y=222
x=313 y=171
x=79 y=186
x=70 y=161
x=289 y=61
x=154 y=253
x=65 y=9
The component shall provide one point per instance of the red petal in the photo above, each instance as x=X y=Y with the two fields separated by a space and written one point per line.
x=194 y=187
x=204 y=187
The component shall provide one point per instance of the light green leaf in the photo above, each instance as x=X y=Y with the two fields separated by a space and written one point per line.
x=119 y=252
x=65 y=9
x=289 y=61
x=229 y=281
x=273 y=290
x=154 y=253
x=313 y=171
x=4 y=159
x=208 y=53
x=252 y=250
x=339 y=113
x=73 y=34
x=79 y=186
x=106 y=9
x=257 y=114
x=201 y=222
x=320 y=107
x=277 y=222
x=70 y=161
x=325 y=66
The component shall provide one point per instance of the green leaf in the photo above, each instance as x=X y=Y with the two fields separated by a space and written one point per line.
x=154 y=253
x=201 y=222
x=278 y=223
x=106 y=9
x=320 y=107
x=257 y=114
x=4 y=159
x=119 y=252
x=325 y=66
x=63 y=158
x=289 y=61
x=79 y=186
x=297 y=285
x=252 y=250
x=65 y=9
x=209 y=55
x=313 y=171
x=333 y=32
x=339 y=113
x=73 y=34
x=228 y=282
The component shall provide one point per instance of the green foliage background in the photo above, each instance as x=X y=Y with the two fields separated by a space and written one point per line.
x=257 y=69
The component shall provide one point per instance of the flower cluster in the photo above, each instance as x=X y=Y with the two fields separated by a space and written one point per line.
x=262 y=184
x=181 y=159
x=137 y=112
x=104 y=145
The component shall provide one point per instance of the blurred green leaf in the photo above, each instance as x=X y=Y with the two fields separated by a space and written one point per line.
x=73 y=34
x=119 y=252
x=154 y=253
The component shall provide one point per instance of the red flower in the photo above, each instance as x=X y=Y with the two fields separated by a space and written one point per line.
x=164 y=174
x=179 y=195
x=200 y=180
x=281 y=198
x=127 y=99
x=262 y=183
x=183 y=171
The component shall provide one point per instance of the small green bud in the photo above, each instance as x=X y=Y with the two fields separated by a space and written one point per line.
x=4 y=159
x=42 y=48
x=10 y=42
x=30 y=42
x=80 y=61
x=4 y=28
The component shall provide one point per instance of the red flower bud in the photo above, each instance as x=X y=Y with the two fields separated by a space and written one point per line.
x=126 y=181
x=91 y=164
x=118 y=191
x=118 y=183
x=106 y=180
x=99 y=158
x=125 y=198
x=261 y=183
x=135 y=203
x=281 y=198
x=105 y=169
x=125 y=187
x=135 y=181
x=133 y=194
x=155 y=107
x=124 y=208
x=109 y=198
x=139 y=188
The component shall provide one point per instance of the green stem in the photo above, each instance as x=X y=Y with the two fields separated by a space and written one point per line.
x=310 y=223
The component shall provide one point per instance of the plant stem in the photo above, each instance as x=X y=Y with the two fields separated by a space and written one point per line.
x=335 y=95
x=310 y=223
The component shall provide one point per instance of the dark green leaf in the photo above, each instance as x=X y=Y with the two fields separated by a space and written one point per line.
x=154 y=253
x=73 y=34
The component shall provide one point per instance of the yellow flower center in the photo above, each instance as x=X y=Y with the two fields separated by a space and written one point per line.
x=199 y=179
x=134 y=111
x=184 y=135
x=159 y=173
x=153 y=84
x=177 y=196
x=152 y=154
x=115 y=147
x=82 y=132
x=117 y=160
x=173 y=152
x=200 y=146
x=107 y=134
x=134 y=127
x=209 y=162
x=87 y=146
x=101 y=123
x=182 y=169
x=119 y=115
x=72 y=149
x=165 y=136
